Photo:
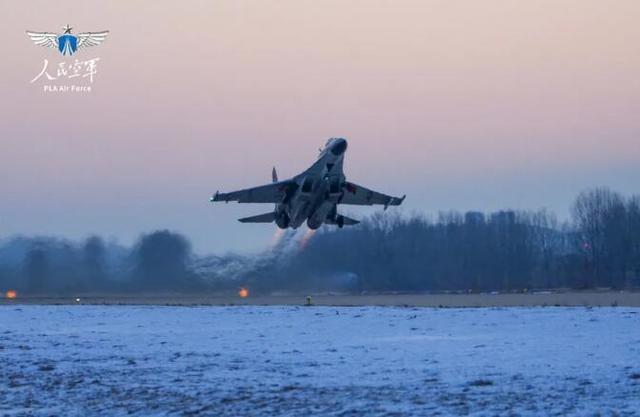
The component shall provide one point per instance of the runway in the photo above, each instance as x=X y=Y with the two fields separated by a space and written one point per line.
x=557 y=298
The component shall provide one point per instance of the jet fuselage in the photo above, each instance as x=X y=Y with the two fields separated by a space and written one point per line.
x=318 y=190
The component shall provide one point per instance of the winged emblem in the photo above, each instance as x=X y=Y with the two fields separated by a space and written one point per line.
x=67 y=43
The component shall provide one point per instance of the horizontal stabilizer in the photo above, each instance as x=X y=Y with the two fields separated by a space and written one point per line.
x=260 y=218
x=341 y=220
x=348 y=221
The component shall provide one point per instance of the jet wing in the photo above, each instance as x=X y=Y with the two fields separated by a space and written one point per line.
x=358 y=195
x=269 y=193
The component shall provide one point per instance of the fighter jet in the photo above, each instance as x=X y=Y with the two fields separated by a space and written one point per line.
x=312 y=196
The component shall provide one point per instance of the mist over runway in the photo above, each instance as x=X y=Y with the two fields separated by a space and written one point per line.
x=261 y=361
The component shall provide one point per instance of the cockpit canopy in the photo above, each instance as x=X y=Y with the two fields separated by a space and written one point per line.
x=336 y=145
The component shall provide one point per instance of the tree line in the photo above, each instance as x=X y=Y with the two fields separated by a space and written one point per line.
x=599 y=246
x=159 y=261
x=505 y=250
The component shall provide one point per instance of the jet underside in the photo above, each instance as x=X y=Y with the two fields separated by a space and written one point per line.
x=312 y=196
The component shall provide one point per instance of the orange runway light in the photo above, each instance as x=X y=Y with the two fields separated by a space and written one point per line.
x=243 y=293
x=11 y=294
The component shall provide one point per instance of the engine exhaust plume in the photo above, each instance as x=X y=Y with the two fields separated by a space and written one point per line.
x=277 y=237
x=304 y=242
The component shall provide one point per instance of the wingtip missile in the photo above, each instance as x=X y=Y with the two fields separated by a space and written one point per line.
x=218 y=197
x=394 y=201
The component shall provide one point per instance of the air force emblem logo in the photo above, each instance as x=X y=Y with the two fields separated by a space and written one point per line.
x=67 y=43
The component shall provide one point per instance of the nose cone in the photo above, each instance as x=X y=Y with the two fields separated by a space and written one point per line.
x=339 y=146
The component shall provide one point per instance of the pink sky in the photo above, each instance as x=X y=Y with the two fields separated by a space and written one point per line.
x=458 y=104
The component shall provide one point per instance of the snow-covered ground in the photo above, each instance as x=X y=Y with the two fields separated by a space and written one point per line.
x=265 y=361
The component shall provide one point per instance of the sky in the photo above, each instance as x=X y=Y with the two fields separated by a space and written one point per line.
x=460 y=105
